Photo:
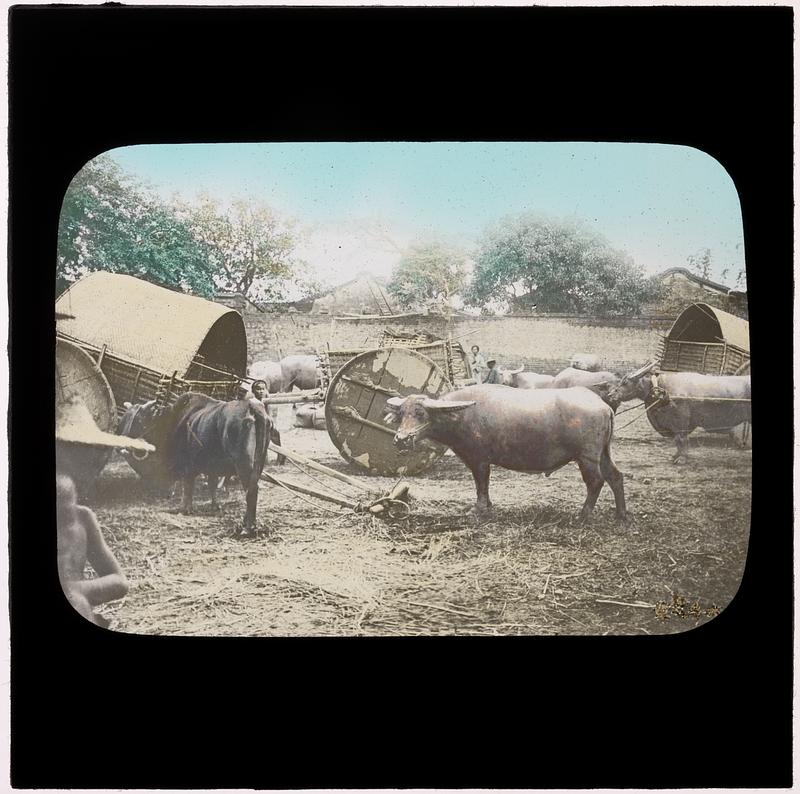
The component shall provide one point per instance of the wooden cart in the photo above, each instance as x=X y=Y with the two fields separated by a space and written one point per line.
x=706 y=340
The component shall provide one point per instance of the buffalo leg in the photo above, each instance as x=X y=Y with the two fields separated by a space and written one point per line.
x=251 y=498
x=188 y=494
x=613 y=476
x=244 y=470
x=480 y=473
x=213 y=481
x=682 y=443
x=592 y=476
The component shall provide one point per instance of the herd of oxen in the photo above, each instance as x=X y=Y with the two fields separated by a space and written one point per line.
x=530 y=422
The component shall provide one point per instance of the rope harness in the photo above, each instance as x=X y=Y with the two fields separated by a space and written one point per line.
x=662 y=396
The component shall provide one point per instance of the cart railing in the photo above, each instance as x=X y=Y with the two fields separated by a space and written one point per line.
x=133 y=382
x=709 y=358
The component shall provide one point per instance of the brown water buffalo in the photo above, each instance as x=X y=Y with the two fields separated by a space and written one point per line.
x=201 y=435
x=586 y=361
x=300 y=371
x=518 y=379
x=537 y=430
x=679 y=402
x=270 y=372
x=601 y=383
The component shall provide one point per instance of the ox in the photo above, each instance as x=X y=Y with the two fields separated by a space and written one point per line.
x=585 y=361
x=679 y=402
x=270 y=372
x=201 y=435
x=524 y=430
x=518 y=379
x=601 y=383
x=300 y=371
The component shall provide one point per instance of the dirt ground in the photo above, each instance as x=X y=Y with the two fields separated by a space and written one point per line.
x=531 y=569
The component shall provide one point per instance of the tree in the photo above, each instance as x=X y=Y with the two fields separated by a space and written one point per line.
x=251 y=248
x=110 y=222
x=700 y=263
x=428 y=275
x=533 y=261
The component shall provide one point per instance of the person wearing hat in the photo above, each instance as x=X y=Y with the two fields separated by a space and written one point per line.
x=492 y=375
x=80 y=539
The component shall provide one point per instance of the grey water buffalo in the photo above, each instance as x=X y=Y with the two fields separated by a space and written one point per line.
x=679 y=402
x=518 y=379
x=201 y=435
x=601 y=383
x=300 y=371
x=270 y=372
x=537 y=430
x=586 y=361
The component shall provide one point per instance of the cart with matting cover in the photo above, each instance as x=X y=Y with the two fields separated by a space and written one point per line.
x=710 y=341
x=706 y=340
x=152 y=343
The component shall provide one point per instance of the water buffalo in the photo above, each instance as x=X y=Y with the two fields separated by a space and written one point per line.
x=601 y=383
x=586 y=361
x=526 y=380
x=270 y=372
x=679 y=402
x=300 y=371
x=201 y=435
x=537 y=430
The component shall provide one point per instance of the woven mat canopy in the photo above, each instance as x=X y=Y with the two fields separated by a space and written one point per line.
x=703 y=323
x=161 y=329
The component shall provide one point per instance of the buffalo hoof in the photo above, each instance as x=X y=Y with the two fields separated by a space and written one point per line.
x=481 y=514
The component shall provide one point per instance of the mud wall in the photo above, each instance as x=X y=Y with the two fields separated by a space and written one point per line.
x=540 y=343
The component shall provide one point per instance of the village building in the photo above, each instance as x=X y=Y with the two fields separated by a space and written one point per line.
x=682 y=288
x=237 y=301
x=365 y=295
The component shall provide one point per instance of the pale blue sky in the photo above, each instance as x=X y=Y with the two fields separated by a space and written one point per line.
x=360 y=202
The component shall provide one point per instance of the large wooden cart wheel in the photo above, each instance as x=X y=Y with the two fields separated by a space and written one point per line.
x=356 y=404
x=78 y=377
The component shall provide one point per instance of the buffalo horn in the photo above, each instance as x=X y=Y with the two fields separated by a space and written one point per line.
x=446 y=405
x=642 y=371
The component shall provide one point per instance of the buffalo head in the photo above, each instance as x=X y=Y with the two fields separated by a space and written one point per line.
x=508 y=377
x=634 y=385
x=418 y=415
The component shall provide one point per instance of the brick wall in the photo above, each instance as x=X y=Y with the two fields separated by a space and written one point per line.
x=540 y=343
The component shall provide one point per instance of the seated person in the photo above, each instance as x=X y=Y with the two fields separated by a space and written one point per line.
x=492 y=375
x=80 y=540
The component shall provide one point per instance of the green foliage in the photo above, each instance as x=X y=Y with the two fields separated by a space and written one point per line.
x=250 y=247
x=556 y=266
x=428 y=275
x=110 y=222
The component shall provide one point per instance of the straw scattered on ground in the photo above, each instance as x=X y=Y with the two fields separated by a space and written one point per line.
x=530 y=569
